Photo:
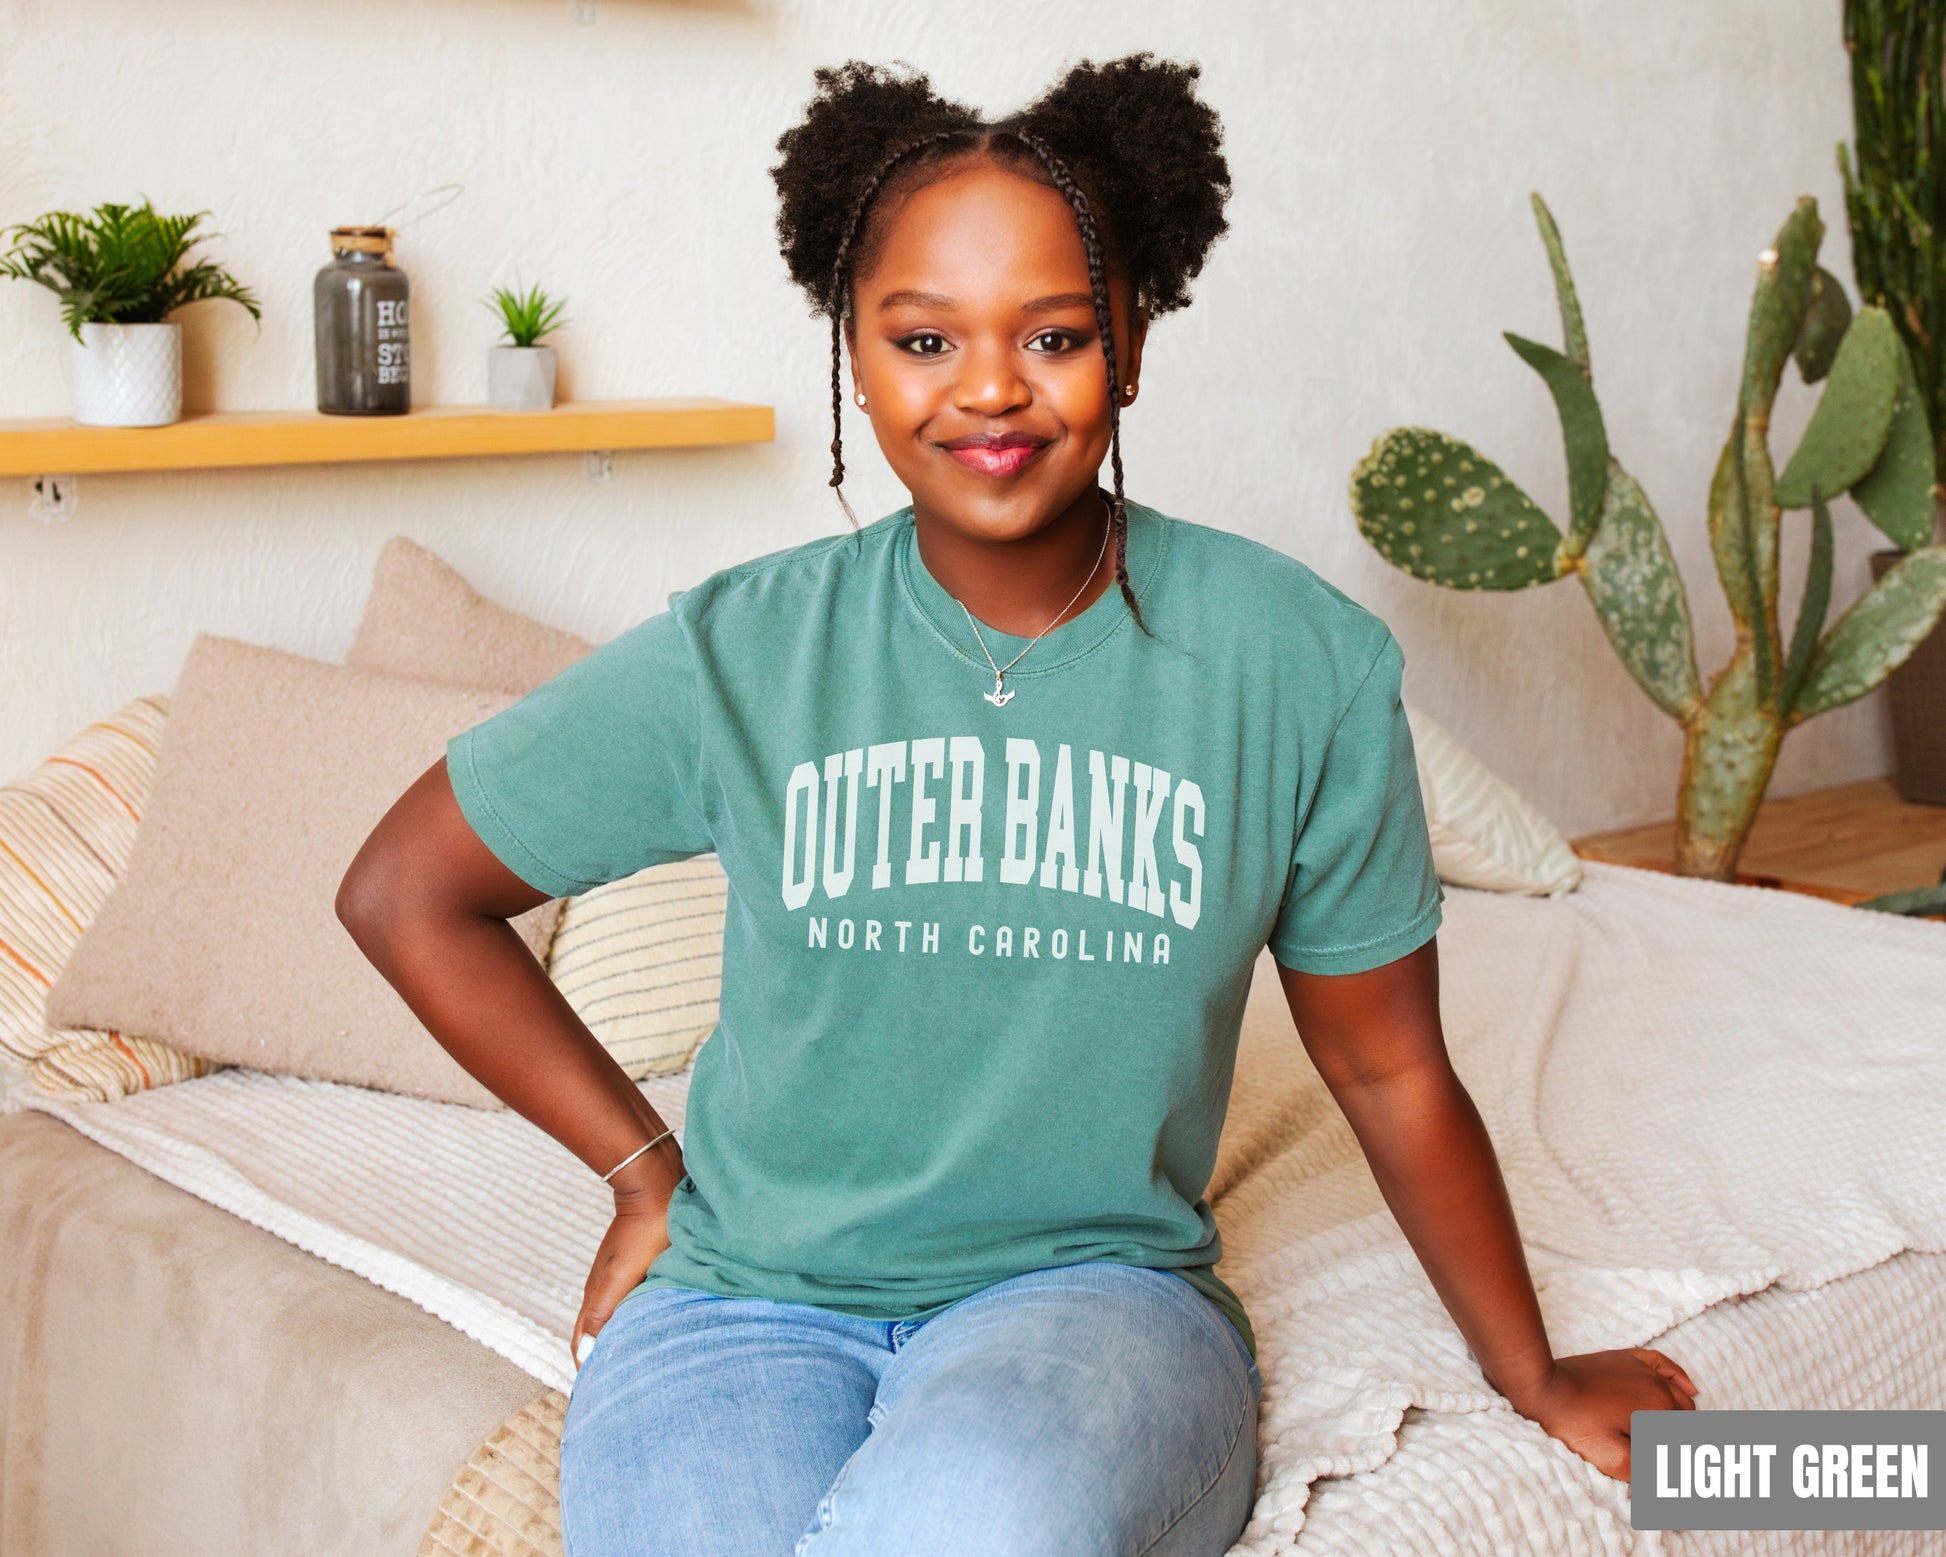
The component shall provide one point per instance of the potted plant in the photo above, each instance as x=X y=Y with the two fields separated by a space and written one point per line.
x=1895 y=197
x=520 y=376
x=120 y=272
x=1442 y=511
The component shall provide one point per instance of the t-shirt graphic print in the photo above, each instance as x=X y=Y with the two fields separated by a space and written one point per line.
x=984 y=966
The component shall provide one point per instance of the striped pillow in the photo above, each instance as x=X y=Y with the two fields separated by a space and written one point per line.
x=1485 y=833
x=641 y=962
x=66 y=830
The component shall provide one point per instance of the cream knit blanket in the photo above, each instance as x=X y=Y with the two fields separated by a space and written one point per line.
x=1695 y=1090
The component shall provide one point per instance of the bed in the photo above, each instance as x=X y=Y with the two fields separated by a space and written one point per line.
x=339 y=1325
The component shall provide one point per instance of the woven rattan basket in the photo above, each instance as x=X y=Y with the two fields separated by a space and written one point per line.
x=1918 y=692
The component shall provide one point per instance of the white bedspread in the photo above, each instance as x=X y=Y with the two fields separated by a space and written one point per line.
x=1696 y=1091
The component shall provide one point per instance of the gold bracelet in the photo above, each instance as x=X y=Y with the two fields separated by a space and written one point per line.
x=634 y=1154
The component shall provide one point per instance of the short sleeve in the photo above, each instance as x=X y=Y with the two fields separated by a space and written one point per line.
x=594 y=774
x=1362 y=887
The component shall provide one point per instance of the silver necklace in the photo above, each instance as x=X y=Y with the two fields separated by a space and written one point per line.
x=998 y=697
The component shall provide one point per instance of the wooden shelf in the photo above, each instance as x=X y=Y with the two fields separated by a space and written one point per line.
x=229 y=438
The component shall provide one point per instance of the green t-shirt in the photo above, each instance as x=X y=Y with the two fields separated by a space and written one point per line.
x=983 y=966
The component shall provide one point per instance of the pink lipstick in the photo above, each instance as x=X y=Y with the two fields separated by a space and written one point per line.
x=995 y=454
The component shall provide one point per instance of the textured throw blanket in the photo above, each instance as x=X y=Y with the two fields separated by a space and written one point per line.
x=1696 y=1091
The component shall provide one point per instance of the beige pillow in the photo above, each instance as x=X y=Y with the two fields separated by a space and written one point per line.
x=422 y=619
x=1485 y=833
x=222 y=938
x=641 y=959
x=66 y=830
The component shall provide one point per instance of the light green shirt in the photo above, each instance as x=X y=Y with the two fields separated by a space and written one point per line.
x=984 y=966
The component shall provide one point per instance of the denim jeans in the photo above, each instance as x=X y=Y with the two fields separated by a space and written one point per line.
x=1081 y=1409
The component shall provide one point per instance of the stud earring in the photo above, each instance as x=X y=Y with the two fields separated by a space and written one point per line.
x=859 y=396
x=1129 y=390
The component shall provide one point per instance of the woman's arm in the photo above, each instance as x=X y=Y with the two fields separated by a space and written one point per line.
x=1376 y=1040
x=428 y=903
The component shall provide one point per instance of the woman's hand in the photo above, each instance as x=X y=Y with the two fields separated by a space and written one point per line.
x=1585 y=1401
x=634 y=1238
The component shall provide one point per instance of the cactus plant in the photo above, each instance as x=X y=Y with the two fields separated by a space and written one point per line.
x=1895 y=181
x=1442 y=511
x=1921 y=902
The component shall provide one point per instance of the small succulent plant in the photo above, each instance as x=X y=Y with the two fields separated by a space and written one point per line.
x=526 y=316
x=1442 y=511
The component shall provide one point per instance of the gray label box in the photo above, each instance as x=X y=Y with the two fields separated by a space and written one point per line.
x=1786 y=1470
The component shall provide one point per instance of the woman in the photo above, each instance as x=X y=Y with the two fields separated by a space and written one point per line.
x=1010 y=787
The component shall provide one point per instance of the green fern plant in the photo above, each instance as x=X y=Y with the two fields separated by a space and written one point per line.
x=1442 y=511
x=527 y=316
x=119 y=264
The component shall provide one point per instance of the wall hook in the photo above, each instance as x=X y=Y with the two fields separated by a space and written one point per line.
x=52 y=499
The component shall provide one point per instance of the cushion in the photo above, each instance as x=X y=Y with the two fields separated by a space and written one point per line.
x=641 y=962
x=641 y=959
x=66 y=830
x=222 y=939
x=1485 y=834
x=422 y=619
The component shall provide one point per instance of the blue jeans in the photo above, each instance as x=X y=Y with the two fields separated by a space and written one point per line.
x=1096 y=1408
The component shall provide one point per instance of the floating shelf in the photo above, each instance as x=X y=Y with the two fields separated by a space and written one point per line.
x=228 y=438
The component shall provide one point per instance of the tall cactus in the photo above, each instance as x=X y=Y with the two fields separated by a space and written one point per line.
x=1895 y=179
x=1442 y=511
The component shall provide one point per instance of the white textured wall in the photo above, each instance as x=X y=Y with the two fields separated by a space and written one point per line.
x=1382 y=155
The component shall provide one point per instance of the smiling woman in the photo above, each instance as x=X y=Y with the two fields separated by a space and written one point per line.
x=1065 y=229
x=991 y=403
x=1011 y=789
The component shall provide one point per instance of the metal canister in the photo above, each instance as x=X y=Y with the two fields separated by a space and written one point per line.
x=362 y=303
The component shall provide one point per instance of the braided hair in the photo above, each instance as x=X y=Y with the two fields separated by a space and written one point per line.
x=1128 y=144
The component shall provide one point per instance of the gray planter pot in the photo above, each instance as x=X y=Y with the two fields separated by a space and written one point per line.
x=521 y=378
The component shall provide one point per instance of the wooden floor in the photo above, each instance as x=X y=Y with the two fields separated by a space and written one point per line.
x=1849 y=842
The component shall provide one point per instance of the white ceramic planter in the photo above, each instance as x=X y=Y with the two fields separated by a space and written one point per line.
x=127 y=375
x=521 y=378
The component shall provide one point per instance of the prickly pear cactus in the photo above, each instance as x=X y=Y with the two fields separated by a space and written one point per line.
x=1637 y=593
x=1826 y=318
x=1847 y=431
x=1875 y=636
x=1923 y=902
x=1897 y=493
x=1442 y=511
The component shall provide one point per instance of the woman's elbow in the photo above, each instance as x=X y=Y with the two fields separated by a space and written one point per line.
x=357 y=905
x=424 y=869
x=369 y=897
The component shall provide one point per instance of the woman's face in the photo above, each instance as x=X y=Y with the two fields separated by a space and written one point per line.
x=974 y=341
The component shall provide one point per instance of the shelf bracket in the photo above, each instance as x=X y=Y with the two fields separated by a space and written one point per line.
x=599 y=464
x=52 y=499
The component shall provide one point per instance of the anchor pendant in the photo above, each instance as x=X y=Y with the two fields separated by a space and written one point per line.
x=996 y=697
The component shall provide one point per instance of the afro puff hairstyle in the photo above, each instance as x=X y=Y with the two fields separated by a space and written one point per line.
x=1135 y=152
